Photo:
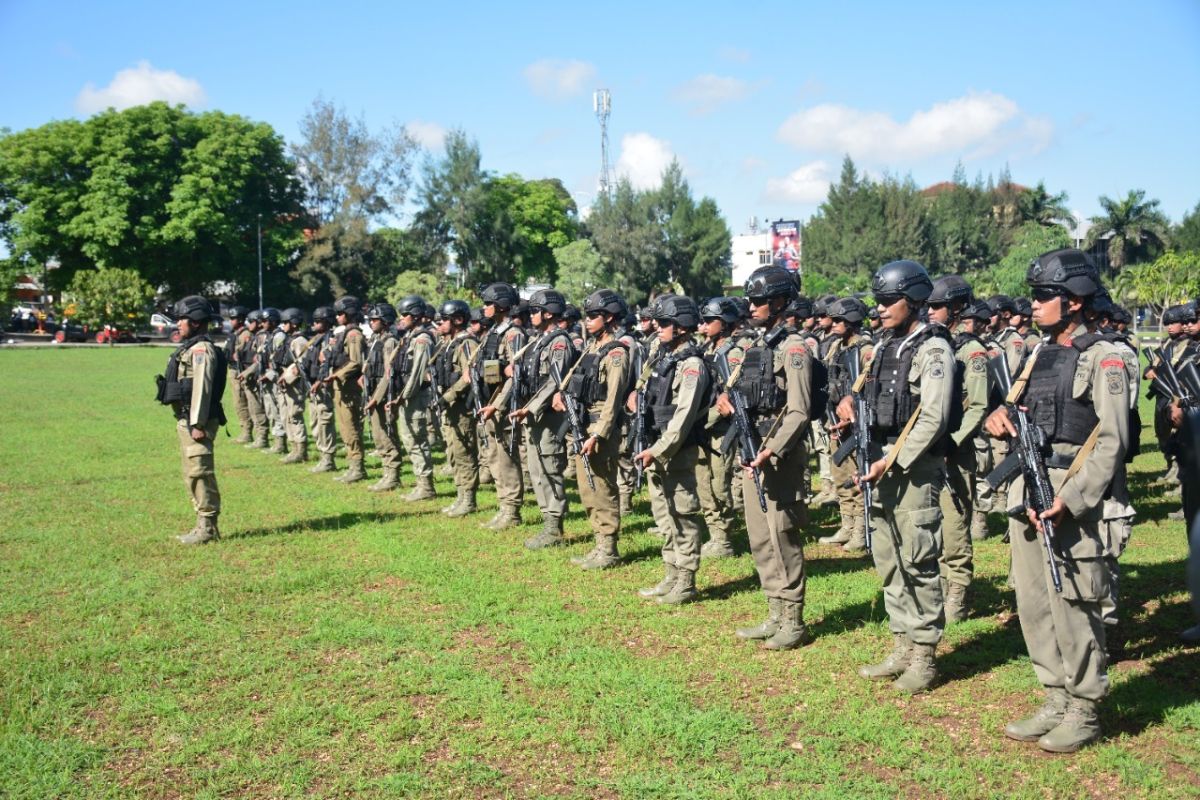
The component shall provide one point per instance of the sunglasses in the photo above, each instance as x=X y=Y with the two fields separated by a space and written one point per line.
x=759 y=301
x=888 y=299
x=595 y=314
x=1044 y=294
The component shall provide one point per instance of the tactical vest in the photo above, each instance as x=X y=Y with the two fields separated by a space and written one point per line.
x=892 y=399
x=283 y=356
x=445 y=364
x=490 y=351
x=838 y=376
x=659 y=396
x=401 y=376
x=531 y=361
x=312 y=357
x=584 y=384
x=373 y=364
x=231 y=351
x=246 y=352
x=338 y=357
x=171 y=389
x=764 y=393
x=1064 y=419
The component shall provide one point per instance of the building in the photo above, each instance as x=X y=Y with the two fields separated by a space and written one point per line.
x=779 y=243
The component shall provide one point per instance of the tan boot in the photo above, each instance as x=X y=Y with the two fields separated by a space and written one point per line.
x=423 y=490
x=324 y=464
x=956 y=603
x=663 y=586
x=353 y=474
x=921 y=671
x=792 y=631
x=507 y=517
x=387 y=482
x=684 y=590
x=551 y=534
x=1080 y=726
x=768 y=627
x=841 y=537
x=204 y=532
x=894 y=665
x=1044 y=720
x=979 y=526
x=604 y=556
x=280 y=446
x=717 y=548
x=467 y=506
x=298 y=455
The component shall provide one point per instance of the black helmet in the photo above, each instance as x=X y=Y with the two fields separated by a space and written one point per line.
x=1180 y=313
x=743 y=306
x=502 y=295
x=383 y=311
x=801 y=308
x=548 y=300
x=571 y=313
x=850 y=309
x=254 y=315
x=429 y=312
x=678 y=310
x=873 y=313
x=349 y=305
x=1001 y=304
x=1102 y=304
x=1121 y=315
x=1068 y=270
x=194 y=308
x=722 y=308
x=605 y=300
x=1023 y=306
x=410 y=304
x=646 y=311
x=771 y=282
x=905 y=278
x=323 y=313
x=978 y=310
x=238 y=312
x=293 y=315
x=822 y=304
x=455 y=308
x=478 y=316
x=271 y=314
x=951 y=289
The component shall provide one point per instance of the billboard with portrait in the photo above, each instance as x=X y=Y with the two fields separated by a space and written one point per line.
x=785 y=244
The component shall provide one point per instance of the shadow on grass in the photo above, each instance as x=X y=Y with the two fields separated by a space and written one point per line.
x=1147 y=698
x=335 y=522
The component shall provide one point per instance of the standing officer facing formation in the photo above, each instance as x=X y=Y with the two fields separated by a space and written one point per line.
x=192 y=386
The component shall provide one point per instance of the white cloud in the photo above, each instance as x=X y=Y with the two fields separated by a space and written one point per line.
x=705 y=92
x=643 y=159
x=140 y=85
x=809 y=184
x=979 y=123
x=429 y=135
x=558 y=79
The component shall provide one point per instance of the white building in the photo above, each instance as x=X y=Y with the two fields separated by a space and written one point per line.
x=749 y=252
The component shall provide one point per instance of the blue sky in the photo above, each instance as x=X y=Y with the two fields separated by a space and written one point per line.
x=758 y=101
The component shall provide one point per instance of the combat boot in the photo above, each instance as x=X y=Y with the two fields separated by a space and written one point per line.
x=1080 y=726
x=604 y=556
x=857 y=543
x=579 y=561
x=921 y=671
x=353 y=474
x=792 y=631
x=387 y=482
x=324 y=464
x=894 y=665
x=467 y=506
x=507 y=517
x=841 y=537
x=956 y=603
x=244 y=438
x=550 y=536
x=827 y=495
x=456 y=502
x=717 y=548
x=768 y=627
x=1044 y=720
x=204 y=532
x=294 y=456
x=626 y=504
x=260 y=441
x=422 y=491
x=662 y=587
x=979 y=526
x=280 y=446
x=684 y=590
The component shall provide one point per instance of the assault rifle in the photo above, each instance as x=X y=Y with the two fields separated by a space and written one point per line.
x=747 y=436
x=1173 y=384
x=637 y=432
x=477 y=390
x=1029 y=456
x=514 y=402
x=860 y=439
x=435 y=400
x=578 y=432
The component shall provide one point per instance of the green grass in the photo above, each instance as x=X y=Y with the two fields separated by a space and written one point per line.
x=340 y=643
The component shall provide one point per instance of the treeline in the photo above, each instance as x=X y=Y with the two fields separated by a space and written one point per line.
x=180 y=198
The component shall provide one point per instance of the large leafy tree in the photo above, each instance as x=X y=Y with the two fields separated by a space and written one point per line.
x=1038 y=205
x=1135 y=227
x=966 y=232
x=1186 y=236
x=1028 y=242
x=694 y=254
x=353 y=180
x=581 y=271
x=626 y=232
x=174 y=195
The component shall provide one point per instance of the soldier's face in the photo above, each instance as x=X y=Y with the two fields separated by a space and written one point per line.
x=939 y=313
x=490 y=310
x=187 y=328
x=595 y=323
x=666 y=332
x=712 y=328
x=894 y=310
x=840 y=327
x=1173 y=329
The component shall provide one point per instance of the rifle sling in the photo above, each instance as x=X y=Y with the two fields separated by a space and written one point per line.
x=900 y=440
x=1018 y=386
x=1084 y=452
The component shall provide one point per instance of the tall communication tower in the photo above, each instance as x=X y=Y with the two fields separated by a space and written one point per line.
x=602 y=105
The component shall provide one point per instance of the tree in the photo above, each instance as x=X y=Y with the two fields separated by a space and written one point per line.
x=694 y=257
x=627 y=235
x=352 y=179
x=1169 y=279
x=1038 y=205
x=174 y=195
x=1186 y=236
x=1134 y=226
x=454 y=212
x=966 y=233
x=110 y=296
x=1008 y=277
x=581 y=271
x=393 y=251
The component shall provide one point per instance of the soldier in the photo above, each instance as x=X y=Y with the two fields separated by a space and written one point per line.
x=192 y=386
x=497 y=350
x=677 y=400
x=234 y=344
x=714 y=465
x=1076 y=392
x=411 y=387
x=452 y=372
x=910 y=391
x=950 y=298
x=775 y=379
x=1176 y=320
x=271 y=339
x=316 y=367
x=247 y=379
x=291 y=387
x=823 y=333
x=382 y=349
x=1004 y=331
x=345 y=360
x=597 y=384
x=848 y=315
x=544 y=427
x=1022 y=320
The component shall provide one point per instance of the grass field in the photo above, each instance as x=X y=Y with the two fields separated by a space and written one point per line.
x=339 y=643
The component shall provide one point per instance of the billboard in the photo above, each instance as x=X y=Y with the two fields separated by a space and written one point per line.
x=785 y=244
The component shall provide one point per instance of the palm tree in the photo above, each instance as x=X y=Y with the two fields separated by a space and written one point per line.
x=1132 y=224
x=1038 y=205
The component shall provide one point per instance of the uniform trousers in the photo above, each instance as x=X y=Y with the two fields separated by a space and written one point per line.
x=546 y=450
x=776 y=535
x=681 y=546
x=199 y=469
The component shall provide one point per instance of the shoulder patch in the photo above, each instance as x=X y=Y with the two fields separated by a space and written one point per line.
x=978 y=364
x=1112 y=362
x=559 y=346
